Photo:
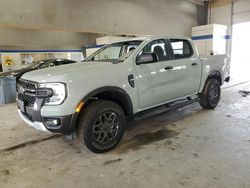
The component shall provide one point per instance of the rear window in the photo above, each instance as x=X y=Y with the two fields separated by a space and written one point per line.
x=181 y=48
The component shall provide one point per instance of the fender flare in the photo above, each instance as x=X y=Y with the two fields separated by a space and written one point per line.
x=214 y=72
x=113 y=89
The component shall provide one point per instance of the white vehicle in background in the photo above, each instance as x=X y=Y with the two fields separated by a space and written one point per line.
x=96 y=97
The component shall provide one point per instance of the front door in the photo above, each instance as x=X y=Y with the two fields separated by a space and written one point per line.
x=149 y=79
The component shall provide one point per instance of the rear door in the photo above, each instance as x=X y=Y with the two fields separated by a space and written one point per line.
x=181 y=74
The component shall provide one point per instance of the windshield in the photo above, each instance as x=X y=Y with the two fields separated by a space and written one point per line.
x=115 y=53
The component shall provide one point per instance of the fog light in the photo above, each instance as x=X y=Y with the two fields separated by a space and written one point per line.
x=53 y=122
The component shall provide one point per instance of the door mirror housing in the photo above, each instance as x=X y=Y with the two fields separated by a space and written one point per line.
x=146 y=58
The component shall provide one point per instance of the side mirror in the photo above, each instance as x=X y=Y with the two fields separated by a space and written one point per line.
x=146 y=58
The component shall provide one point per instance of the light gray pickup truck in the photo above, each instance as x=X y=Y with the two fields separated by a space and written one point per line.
x=95 y=98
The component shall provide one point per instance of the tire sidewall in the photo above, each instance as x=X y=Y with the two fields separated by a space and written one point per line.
x=86 y=131
x=210 y=83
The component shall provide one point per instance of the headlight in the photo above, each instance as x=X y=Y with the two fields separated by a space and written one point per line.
x=59 y=93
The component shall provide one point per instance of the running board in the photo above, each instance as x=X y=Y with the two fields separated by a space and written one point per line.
x=164 y=108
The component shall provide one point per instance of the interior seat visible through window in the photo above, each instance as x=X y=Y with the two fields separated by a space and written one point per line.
x=159 y=52
x=159 y=48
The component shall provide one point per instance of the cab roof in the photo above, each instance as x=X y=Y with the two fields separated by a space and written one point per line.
x=154 y=37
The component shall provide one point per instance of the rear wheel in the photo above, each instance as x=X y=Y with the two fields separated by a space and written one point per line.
x=101 y=126
x=210 y=96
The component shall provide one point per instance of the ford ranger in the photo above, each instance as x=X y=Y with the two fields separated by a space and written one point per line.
x=95 y=98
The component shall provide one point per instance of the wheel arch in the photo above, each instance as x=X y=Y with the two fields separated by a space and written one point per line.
x=110 y=93
x=114 y=94
x=216 y=74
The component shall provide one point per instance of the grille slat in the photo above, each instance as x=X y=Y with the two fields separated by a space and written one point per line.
x=27 y=84
x=28 y=100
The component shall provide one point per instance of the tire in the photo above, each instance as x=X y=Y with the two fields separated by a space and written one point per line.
x=101 y=126
x=210 y=96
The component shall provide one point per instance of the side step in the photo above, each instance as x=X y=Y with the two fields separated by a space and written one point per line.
x=164 y=108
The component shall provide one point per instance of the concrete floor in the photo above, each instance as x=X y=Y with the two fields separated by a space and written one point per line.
x=188 y=147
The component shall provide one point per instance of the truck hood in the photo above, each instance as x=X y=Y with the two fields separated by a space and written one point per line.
x=54 y=74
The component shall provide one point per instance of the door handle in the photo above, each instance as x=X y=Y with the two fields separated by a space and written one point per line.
x=194 y=64
x=169 y=68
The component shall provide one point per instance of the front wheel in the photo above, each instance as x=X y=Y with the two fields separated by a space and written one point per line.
x=210 y=96
x=101 y=126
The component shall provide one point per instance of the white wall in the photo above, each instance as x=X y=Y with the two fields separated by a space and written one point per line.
x=240 y=51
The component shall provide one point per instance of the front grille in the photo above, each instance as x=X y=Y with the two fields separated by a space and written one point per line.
x=27 y=84
x=28 y=100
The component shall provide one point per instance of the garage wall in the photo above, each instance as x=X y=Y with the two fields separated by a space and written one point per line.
x=229 y=12
x=241 y=11
x=27 y=39
x=144 y=17
x=221 y=11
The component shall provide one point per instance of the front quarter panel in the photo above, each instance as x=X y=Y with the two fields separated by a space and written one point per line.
x=81 y=83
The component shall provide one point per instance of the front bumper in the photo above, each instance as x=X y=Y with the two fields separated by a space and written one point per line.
x=32 y=116
x=30 y=103
x=37 y=125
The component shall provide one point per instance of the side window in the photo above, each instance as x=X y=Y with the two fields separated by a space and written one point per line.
x=181 y=48
x=158 y=47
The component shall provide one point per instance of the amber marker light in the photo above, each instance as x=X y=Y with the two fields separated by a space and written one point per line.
x=79 y=107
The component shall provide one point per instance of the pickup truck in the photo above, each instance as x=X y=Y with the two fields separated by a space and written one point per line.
x=95 y=98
